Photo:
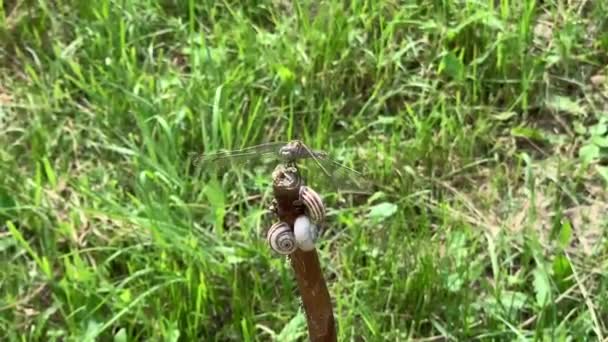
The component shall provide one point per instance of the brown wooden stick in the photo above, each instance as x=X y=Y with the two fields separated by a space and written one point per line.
x=315 y=296
x=311 y=283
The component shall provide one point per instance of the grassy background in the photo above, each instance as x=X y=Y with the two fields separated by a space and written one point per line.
x=481 y=123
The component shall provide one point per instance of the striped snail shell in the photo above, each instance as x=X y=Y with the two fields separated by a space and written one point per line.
x=315 y=209
x=305 y=232
x=281 y=239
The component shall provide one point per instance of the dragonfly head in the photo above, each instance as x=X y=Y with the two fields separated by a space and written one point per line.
x=288 y=152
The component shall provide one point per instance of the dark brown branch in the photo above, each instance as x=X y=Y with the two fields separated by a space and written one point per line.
x=315 y=296
x=311 y=283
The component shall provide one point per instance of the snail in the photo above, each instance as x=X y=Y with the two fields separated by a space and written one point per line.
x=292 y=198
x=305 y=232
x=315 y=209
x=286 y=179
x=281 y=239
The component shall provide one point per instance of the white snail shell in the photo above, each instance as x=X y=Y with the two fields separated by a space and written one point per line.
x=305 y=232
x=281 y=239
x=315 y=209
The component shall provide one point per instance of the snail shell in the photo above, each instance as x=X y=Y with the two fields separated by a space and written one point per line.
x=286 y=178
x=305 y=232
x=281 y=239
x=315 y=209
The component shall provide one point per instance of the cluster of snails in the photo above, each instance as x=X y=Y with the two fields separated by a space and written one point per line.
x=283 y=240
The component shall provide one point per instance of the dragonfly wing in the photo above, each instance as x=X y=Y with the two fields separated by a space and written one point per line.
x=340 y=176
x=316 y=157
x=346 y=178
x=240 y=156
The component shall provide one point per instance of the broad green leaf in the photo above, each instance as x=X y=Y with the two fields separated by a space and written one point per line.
x=93 y=328
x=455 y=282
x=285 y=74
x=453 y=66
x=542 y=287
x=579 y=128
x=565 y=104
x=511 y=301
x=598 y=129
x=173 y=334
x=121 y=335
x=599 y=141
x=126 y=296
x=561 y=267
x=529 y=133
x=382 y=210
x=215 y=195
x=589 y=153
x=565 y=234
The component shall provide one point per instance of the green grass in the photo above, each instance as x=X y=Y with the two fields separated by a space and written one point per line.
x=482 y=125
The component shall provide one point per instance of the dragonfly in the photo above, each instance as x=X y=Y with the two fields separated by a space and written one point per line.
x=290 y=152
